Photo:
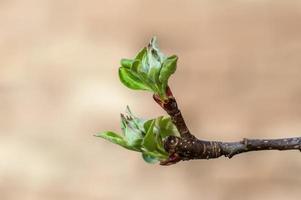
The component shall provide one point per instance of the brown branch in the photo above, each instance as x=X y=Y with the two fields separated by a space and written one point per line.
x=188 y=147
x=171 y=107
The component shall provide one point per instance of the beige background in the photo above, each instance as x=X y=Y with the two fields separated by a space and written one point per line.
x=238 y=76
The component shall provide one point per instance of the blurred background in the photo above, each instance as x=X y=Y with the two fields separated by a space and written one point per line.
x=238 y=76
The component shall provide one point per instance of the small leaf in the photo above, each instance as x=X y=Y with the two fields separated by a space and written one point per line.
x=154 y=60
x=126 y=63
x=160 y=145
x=111 y=136
x=136 y=122
x=136 y=144
x=148 y=124
x=114 y=138
x=135 y=65
x=169 y=67
x=131 y=132
x=153 y=47
x=132 y=135
x=166 y=127
x=149 y=159
x=145 y=136
x=153 y=74
x=131 y=81
x=144 y=67
x=149 y=141
x=149 y=70
x=141 y=53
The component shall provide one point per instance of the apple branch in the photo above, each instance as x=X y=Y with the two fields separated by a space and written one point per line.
x=168 y=139
x=188 y=147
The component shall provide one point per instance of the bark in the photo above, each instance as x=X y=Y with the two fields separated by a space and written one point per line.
x=188 y=147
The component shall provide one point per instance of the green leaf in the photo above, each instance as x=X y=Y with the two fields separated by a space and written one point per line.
x=136 y=122
x=145 y=136
x=130 y=80
x=149 y=70
x=144 y=67
x=131 y=132
x=133 y=135
x=153 y=75
x=135 y=66
x=166 y=127
x=141 y=53
x=160 y=145
x=149 y=159
x=169 y=67
x=153 y=48
x=163 y=128
x=149 y=141
x=148 y=124
x=154 y=60
x=114 y=138
x=126 y=63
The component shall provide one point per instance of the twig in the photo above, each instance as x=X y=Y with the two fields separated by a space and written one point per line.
x=188 y=147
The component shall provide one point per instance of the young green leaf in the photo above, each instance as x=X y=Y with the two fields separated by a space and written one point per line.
x=166 y=127
x=114 y=138
x=130 y=80
x=149 y=141
x=132 y=129
x=149 y=159
x=145 y=136
x=149 y=70
x=141 y=53
x=137 y=122
x=126 y=63
x=168 y=68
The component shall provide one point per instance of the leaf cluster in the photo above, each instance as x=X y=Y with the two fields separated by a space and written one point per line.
x=149 y=70
x=145 y=136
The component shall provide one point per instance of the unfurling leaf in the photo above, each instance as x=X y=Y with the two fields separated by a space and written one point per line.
x=144 y=136
x=128 y=78
x=149 y=141
x=149 y=70
x=114 y=138
x=126 y=63
x=169 y=67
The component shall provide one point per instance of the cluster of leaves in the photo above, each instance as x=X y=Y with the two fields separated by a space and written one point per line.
x=145 y=136
x=149 y=70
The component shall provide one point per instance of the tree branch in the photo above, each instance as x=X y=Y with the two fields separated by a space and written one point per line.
x=188 y=147
x=171 y=107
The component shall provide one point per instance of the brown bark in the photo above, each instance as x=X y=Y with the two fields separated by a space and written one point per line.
x=188 y=147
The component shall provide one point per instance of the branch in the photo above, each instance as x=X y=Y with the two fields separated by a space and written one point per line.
x=188 y=147
x=171 y=107
x=157 y=138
